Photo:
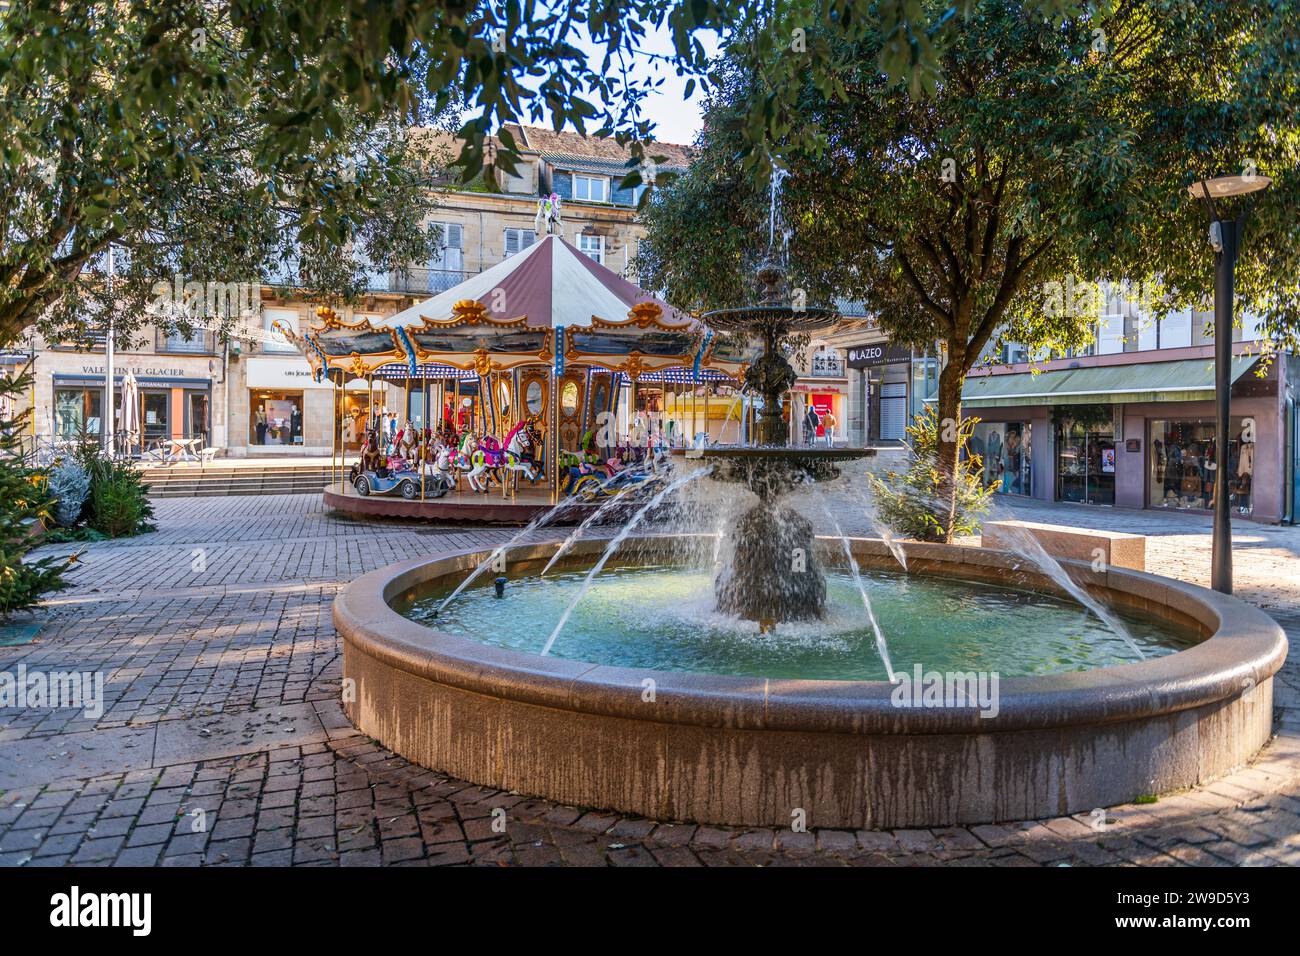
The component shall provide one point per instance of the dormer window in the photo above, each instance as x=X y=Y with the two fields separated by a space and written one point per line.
x=591 y=188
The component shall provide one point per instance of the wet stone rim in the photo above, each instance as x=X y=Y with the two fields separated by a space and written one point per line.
x=744 y=751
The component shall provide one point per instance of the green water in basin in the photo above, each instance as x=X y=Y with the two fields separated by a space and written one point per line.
x=662 y=618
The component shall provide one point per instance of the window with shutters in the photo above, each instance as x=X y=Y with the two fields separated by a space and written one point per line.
x=893 y=411
x=518 y=239
x=450 y=254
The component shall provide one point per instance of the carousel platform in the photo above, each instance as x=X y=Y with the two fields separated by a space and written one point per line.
x=468 y=506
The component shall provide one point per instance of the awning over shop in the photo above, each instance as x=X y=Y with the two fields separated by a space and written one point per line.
x=1188 y=380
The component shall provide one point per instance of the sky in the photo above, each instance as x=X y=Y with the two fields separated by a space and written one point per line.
x=676 y=120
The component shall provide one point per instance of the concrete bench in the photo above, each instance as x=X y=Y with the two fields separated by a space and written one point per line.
x=1118 y=550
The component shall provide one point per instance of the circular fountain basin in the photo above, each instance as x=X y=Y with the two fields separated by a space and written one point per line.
x=756 y=744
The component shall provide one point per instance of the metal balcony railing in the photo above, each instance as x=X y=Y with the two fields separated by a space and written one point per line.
x=201 y=342
x=416 y=280
x=827 y=366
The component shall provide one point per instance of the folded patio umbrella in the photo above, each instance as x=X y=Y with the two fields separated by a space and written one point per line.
x=130 y=428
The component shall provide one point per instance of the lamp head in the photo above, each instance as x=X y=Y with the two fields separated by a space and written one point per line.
x=1224 y=186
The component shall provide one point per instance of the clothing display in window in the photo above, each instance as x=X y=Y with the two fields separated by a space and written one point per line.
x=1183 y=465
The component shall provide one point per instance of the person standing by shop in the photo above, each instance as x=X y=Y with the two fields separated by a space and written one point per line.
x=810 y=422
x=260 y=425
x=828 y=427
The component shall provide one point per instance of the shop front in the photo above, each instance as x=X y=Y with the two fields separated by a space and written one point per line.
x=172 y=404
x=1103 y=439
x=285 y=411
x=827 y=400
x=881 y=389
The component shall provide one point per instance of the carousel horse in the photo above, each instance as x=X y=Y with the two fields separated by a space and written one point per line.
x=406 y=440
x=521 y=450
x=477 y=460
x=436 y=467
x=489 y=461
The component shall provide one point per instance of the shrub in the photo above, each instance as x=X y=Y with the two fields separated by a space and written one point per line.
x=25 y=502
x=70 y=485
x=912 y=503
x=118 y=505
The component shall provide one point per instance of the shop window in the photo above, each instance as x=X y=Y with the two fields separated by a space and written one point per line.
x=1183 y=468
x=78 y=411
x=1005 y=455
x=1085 y=454
x=155 y=407
x=275 y=418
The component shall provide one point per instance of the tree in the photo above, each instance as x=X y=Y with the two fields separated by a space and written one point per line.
x=225 y=127
x=1047 y=153
x=144 y=128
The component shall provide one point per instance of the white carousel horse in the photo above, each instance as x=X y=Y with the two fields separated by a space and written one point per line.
x=439 y=472
x=478 y=459
x=521 y=450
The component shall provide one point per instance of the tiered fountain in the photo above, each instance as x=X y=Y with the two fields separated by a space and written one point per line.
x=620 y=682
x=758 y=584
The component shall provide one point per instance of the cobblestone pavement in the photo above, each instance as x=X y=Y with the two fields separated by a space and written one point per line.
x=222 y=742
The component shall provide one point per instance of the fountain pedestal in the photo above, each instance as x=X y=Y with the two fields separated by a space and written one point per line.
x=773 y=574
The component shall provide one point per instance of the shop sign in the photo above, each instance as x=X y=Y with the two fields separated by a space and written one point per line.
x=140 y=371
x=294 y=374
x=282 y=373
x=871 y=356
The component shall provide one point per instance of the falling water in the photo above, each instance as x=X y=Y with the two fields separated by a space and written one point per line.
x=881 y=647
x=614 y=546
x=778 y=177
x=542 y=519
x=1032 y=548
x=882 y=530
x=591 y=519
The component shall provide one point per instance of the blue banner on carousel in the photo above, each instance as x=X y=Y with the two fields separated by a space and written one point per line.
x=324 y=362
x=559 y=350
x=410 y=349
x=699 y=356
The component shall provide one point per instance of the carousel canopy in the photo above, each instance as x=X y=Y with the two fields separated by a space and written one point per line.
x=548 y=284
x=546 y=305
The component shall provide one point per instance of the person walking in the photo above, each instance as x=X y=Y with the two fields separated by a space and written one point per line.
x=810 y=422
x=828 y=427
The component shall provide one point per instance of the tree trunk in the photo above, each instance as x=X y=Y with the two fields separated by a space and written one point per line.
x=951 y=379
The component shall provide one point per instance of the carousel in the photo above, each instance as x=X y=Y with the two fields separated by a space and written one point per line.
x=547 y=378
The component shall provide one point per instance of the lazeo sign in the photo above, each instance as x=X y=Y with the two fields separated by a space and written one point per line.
x=869 y=356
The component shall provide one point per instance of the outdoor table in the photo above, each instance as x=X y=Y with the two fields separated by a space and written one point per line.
x=182 y=449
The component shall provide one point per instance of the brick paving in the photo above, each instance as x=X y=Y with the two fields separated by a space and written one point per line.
x=222 y=742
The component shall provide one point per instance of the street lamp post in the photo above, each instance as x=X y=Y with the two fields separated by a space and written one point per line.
x=1225 y=234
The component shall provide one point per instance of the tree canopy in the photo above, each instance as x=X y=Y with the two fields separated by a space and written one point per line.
x=109 y=140
x=194 y=137
x=1048 y=151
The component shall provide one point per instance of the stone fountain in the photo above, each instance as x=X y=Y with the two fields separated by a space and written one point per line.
x=773 y=575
